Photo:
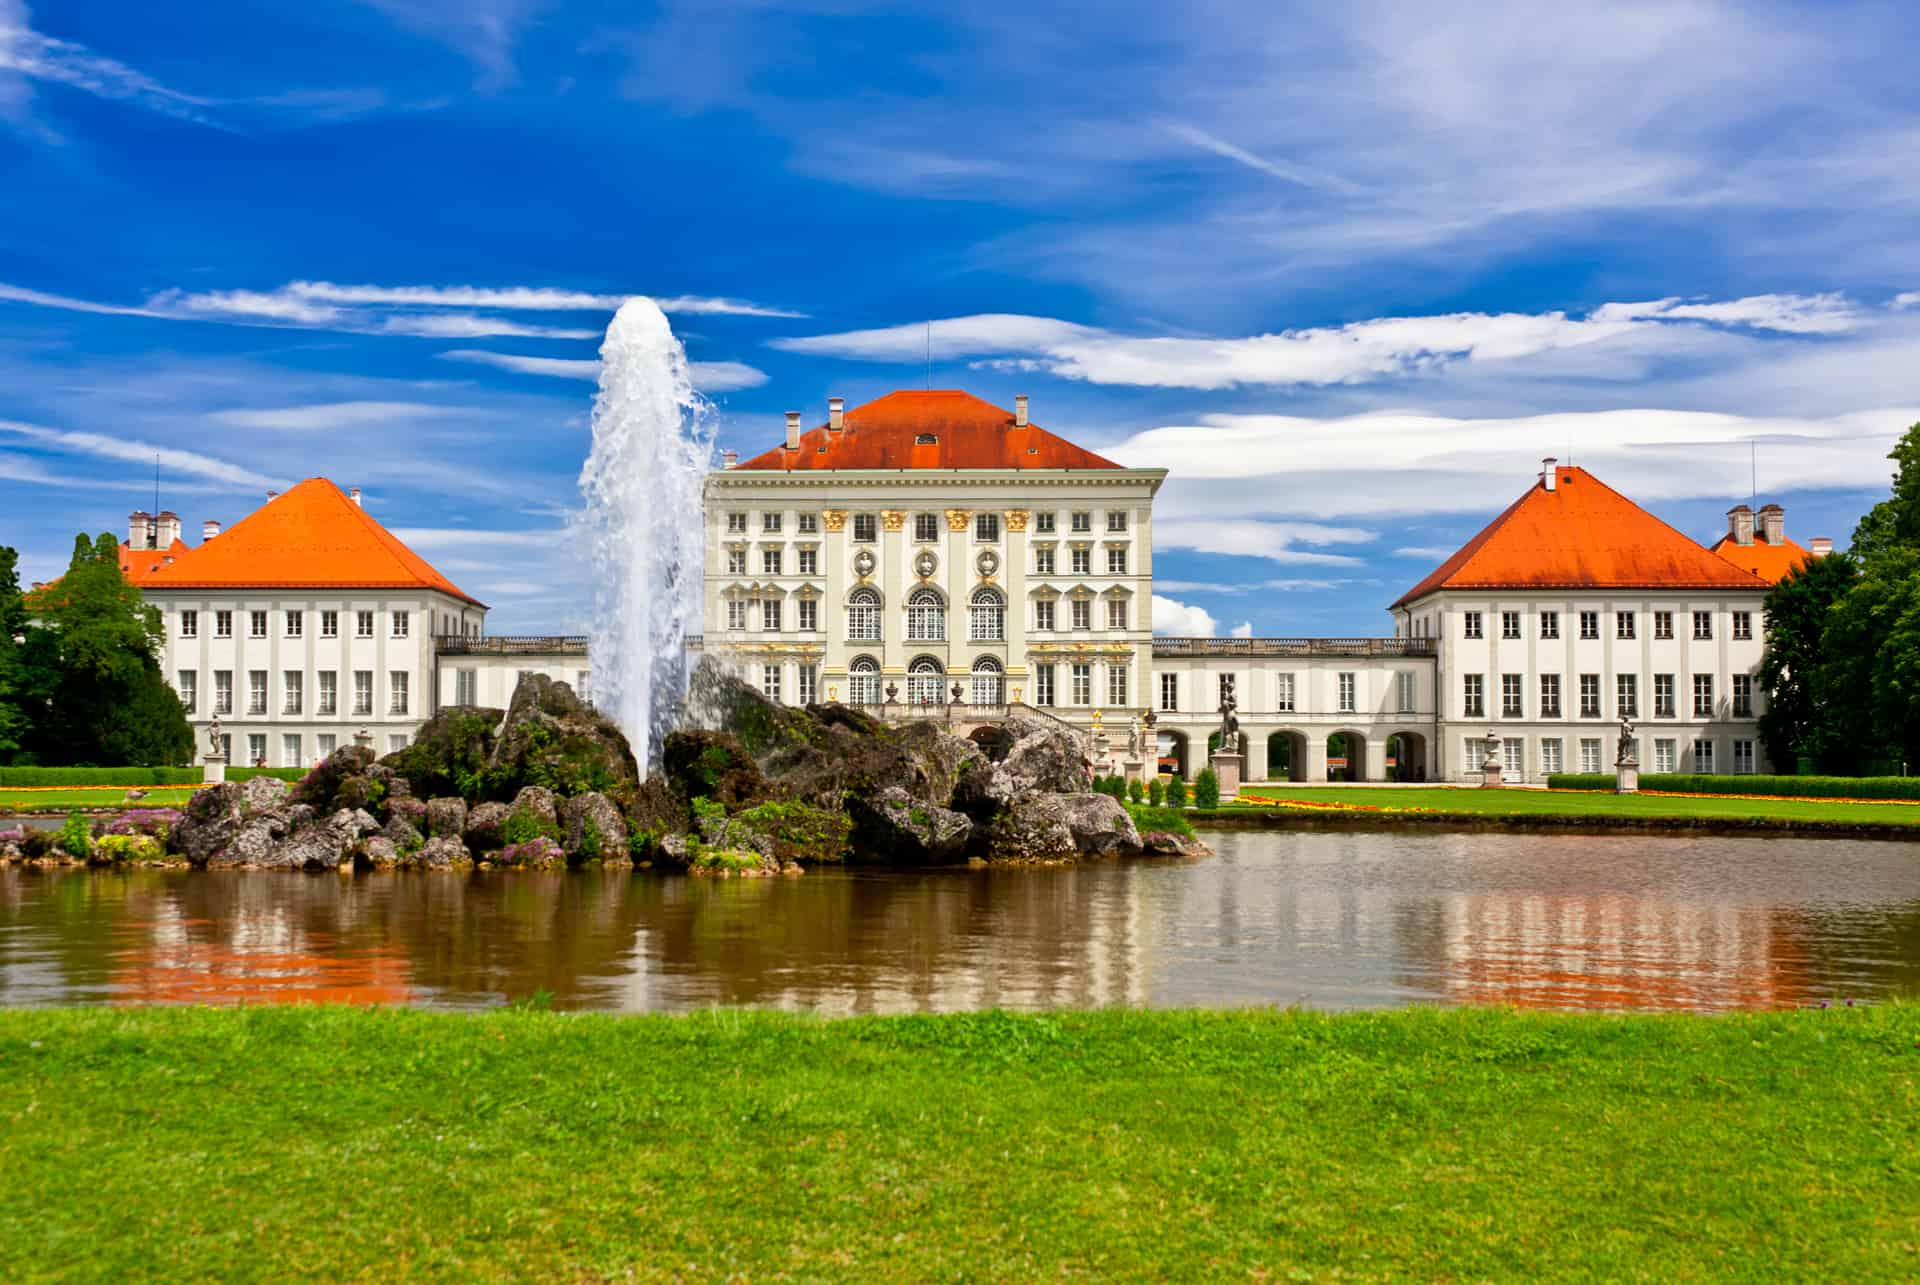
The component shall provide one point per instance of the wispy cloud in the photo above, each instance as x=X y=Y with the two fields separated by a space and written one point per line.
x=1424 y=552
x=332 y=416
x=1288 y=173
x=1274 y=541
x=518 y=299
x=1820 y=314
x=134 y=450
x=1281 y=584
x=707 y=376
x=26 y=53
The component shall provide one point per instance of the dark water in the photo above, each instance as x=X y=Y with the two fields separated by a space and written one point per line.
x=1326 y=920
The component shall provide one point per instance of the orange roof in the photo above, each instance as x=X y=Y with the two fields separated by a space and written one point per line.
x=1583 y=534
x=965 y=432
x=312 y=537
x=1768 y=561
x=139 y=565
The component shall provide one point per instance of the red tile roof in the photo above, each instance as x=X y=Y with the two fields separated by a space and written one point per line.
x=966 y=432
x=1583 y=534
x=139 y=565
x=1768 y=561
x=312 y=537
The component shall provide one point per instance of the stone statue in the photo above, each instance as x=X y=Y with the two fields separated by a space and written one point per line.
x=1624 y=752
x=1229 y=724
x=1133 y=738
x=214 y=741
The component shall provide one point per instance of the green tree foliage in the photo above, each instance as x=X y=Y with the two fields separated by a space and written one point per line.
x=94 y=646
x=1156 y=792
x=1797 y=611
x=20 y=697
x=1176 y=791
x=1206 y=790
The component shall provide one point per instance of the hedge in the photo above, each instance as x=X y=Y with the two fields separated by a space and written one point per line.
x=1804 y=787
x=26 y=777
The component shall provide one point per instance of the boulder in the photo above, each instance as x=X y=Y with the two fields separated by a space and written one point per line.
x=486 y=825
x=592 y=829
x=535 y=853
x=552 y=738
x=443 y=852
x=259 y=793
x=218 y=817
x=1025 y=756
x=446 y=817
x=533 y=812
x=253 y=844
x=711 y=765
x=401 y=833
x=1062 y=825
x=406 y=808
x=893 y=825
x=377 y=851
x=318 y=788
x=324 y=845
x=449 y=754
x=1165 y=843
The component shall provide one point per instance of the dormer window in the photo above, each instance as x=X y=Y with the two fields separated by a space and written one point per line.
x=926 y=439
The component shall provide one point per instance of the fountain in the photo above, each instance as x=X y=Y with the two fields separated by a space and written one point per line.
x=642 y=523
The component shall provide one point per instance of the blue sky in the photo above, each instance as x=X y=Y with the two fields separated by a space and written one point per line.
x=1349 y=274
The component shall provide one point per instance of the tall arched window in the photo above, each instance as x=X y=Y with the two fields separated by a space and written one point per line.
x=863 y=681
x=924 y=681
x=989 y=616
x=863 y=616
x=988 y=686
x=926 y=616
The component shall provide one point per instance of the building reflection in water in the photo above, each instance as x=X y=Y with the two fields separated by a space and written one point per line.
x=1324 y=919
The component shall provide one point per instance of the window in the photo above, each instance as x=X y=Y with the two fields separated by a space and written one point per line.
x=986 y=529
x=323 y=744
x=1627 y=695
x=1702 y=626
x=1666 y=753
x=1116 y=520
x=1511 y=698
x=987 y=619
x=1043 y=684
x=1119 y=691
x=1083 y=684
x=1743 y=695
x=329 y=624
x=1623 y=624
x=362 y=692
x=770 y=615
x=926 y=528
x=809 y=561
x=1116 y=613
x=924 y=685
x=257 y=748
x=292 y=690
x=807 y=524
x=223 y=624
x=465 y=686
x=864 y=529
x=1550 y=756
x=1283 y=693
x=1663 y=626
x=770 y=562
x=863 y=616
x=1043 y=523
x=401 y=622
x=1043 y=562
x=770 y=682
x=1082 y=613
x=1043 y=615
x=1513 y=756
x=1116 y=562
x=1346 y=688
x=363 y=624
x=1082 y=562
x=1703 y=695
x=1703 y=757
x=736 y=562
x=397 y=691
x=290 y=749
x=863 y=681
x=256 y=691
x=1549 y=696
x=396 y=741
x=1471 y=623
x=770 y=523
x=1742 y=631
x=1170 y=691
x=223 y=691
x=1474 y=753
x=926 y=616
x=1589 y=624
x=1743 y=757
x=1509 y=624
x=736 y=613
x=809 y=616
x=1082 y=522
x=1473 y=702
x=1663 y=704
x=1589 y=696
x=329 y=697
x=189 y=624
x=189 y=689
x=736 y=524
x=1549 y=624
x=1590 y=754
x=296 y=623
x=256 y=624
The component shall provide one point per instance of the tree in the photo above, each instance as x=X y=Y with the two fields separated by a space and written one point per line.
x=1894 y=523
x=28 y=666
x=1797 y=612
x=1176 y=791
x=1206 y=790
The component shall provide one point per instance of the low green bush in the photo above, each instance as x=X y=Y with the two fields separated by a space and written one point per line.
x=76 y=836
x=27 y=777
x=1136 y=792
x=1206 y=790
x=1176 y=791
x=1796 y=787
x=1148 y=819
x=1156 y=792
x=127 y=849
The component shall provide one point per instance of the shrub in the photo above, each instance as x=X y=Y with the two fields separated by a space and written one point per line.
x=124 y=849
x=1156 y=792
x=1206 y=790
x=76 y=836
x=1176 y=791
x=1801 y=787
x=38 y=842
x=541 y=850
x=1135 y=791
x=725 y=859
x=524 y=825
x=799 y=831
x=1148 y=820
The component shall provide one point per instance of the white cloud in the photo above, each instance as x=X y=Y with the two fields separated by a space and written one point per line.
x=1242 y=630
x=276 y=306
x=173 y=460
x=334 y=415
x=1907 y=299
x=1427 y=552
x=724 y=376
x=978 y=335
x=1177 y=620
x=26 y=53
x=707 y=376
x=1287 y=173
x=1287 y=584
x=516 y=298
x=1820 y=314
x=470 y=538
x=1275 y=541
x=41 y=299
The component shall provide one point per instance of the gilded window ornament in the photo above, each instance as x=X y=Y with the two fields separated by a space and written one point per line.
x=1016 y=519
x=834 y=519
x=892 y=519
x=959 y=519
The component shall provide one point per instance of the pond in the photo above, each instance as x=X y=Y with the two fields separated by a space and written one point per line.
x=1326 y=920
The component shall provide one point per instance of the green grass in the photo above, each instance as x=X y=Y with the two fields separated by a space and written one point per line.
x=1419 y=1144
x=1473 y=802
x=58 y=800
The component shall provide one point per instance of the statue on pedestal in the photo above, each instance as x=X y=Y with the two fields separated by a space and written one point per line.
x=215 y=742
x=1133 y=738
x=1624 y=755
x=1229 y=723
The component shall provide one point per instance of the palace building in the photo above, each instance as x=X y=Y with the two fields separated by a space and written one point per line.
x=931 y=555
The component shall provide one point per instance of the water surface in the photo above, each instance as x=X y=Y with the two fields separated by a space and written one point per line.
x=1328 y=920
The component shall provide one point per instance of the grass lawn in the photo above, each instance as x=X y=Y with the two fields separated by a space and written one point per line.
x=112 y=796
x=1418 y=1144
x=1485 y=803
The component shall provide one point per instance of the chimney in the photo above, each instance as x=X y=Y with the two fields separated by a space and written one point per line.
x=1549 y=473
x=793 y=430
x=729 y=459
x=353 y=493
x=272 y=496
x=139 y=529
x=168 y=529
x=836 y=414
x=1740 y=524
x=1820 y=546
x=209 y=529
x=1773 y=524
x=1020 y=411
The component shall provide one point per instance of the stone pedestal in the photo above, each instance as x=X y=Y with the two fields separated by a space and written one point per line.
x=1136 y=769
x=1626 y=777
x=1490 y=773
x=1228 y=769
x=214 y=769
